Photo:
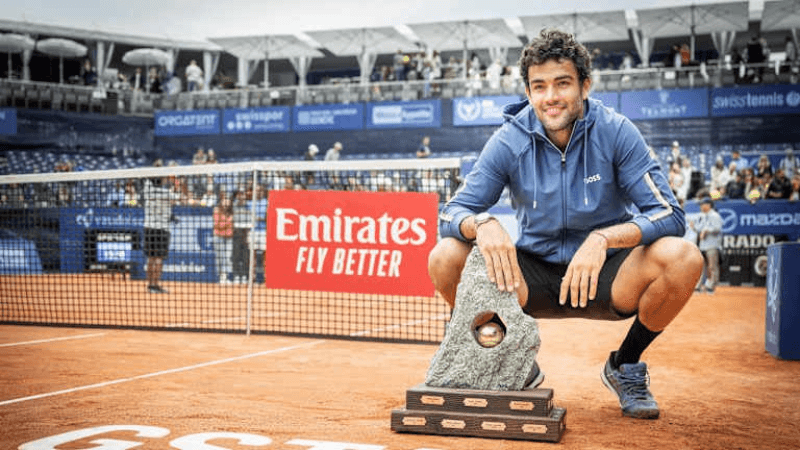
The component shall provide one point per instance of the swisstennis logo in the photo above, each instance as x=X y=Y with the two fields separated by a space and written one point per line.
x=357 y=242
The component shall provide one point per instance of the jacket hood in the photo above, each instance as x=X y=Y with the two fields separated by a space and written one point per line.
x=521 y=116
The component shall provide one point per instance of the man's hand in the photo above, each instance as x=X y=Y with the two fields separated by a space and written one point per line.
x=580 y=281
x=500 y=254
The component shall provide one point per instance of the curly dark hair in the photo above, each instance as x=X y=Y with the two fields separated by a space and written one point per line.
x=555 y=44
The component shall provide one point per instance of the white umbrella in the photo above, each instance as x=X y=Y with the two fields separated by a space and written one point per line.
x=15 y=43
x=146 y=57
x=63 y=48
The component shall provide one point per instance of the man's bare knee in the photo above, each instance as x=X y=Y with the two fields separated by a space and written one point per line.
x=445 y=263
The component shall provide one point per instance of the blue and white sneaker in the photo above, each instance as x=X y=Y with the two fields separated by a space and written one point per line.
x=629 y=383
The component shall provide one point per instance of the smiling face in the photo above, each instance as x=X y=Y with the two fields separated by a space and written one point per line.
x=556 y=95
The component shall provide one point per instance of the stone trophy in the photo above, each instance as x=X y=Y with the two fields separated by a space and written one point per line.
x=476 y=383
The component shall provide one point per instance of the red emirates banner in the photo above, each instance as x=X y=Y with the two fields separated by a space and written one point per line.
x=359 y=242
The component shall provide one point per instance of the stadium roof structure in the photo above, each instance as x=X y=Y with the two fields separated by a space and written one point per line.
x=587 y=27
x=678 y=21
x=251 y=49
x=36 y=29
x=364 y=43
x=466 y=34
x=781 y=15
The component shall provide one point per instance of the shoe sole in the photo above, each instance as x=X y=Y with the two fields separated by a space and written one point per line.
x=641 y=415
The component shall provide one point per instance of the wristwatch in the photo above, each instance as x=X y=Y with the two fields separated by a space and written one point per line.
x=482 y=218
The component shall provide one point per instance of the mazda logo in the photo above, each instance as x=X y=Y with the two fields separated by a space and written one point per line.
x=729 y=219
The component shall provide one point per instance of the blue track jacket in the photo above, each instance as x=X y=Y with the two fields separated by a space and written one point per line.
x=605 y=177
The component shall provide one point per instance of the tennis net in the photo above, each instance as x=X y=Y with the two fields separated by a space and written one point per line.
x=79 y=249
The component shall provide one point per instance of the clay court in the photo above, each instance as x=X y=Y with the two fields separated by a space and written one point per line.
x=717 y=387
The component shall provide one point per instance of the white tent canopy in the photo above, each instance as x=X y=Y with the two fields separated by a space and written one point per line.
x=781 y=15
x=721 y=20
x=465 y=35
x=587 y=27
x=364 y=43
x=251 y=49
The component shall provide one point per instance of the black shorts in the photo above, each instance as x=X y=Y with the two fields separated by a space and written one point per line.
x=544 y=285
x=156 y=243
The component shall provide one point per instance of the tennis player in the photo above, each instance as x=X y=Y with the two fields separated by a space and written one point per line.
x=599 y=229
x=158 y=201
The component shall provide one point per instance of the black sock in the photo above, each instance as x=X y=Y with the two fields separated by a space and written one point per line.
x=637 y=340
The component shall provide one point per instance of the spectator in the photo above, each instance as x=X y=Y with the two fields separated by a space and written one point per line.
x=709 y=233
x=334 y=152
x=675 y=153
x=88 y=73
x=223 y=236
x=398 y=64
x=763 y=166
x=741 y=163
x=424 y=149
x=755 y=59
x=790 y=52
x=211 y=156
x=686 y=171
x=734 y=190
x=794 y=194
x=676 y=181
x=194 y=77
x=790 y=164
x=780 y=187
x=209 y=198
x=493 y=73
x=241 y=235
x=311 y=153
x=199 y=156
x=720 y=176
x=137 y=81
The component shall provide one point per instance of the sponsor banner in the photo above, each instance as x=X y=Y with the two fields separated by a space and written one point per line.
x=256 y=120
x=328 y=117
x=664 y=104
x=99 y=235
x=18 y=255
x=421 y=114
x=765 y=217
x=354 y=242
x=186 y=123
x=8 y=121
x=756 y=100
x=610 y=99
x=469 y=111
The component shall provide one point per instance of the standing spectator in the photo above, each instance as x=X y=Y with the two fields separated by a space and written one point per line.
x=686 y=171
x=779 y=187
x=790 y=164
x=398 y=64
x=159 y=199
x=223 y=236
x=709 y=234
x=424 y=149
x=194 y=77
x=755 y=58
x=675 y=154
x=88 y=73
x=334 y=152
x=790 y=50
x=676 y=181
x=241 y=237
x=741 y=163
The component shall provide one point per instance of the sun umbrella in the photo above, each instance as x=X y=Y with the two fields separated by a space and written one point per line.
x=146 y=57
x=63 y=48
x=15 y=43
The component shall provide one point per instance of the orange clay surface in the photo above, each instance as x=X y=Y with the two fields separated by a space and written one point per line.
x=94 y=388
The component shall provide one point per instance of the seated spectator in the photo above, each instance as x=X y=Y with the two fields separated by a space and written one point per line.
x=199 y=156
x=763 y=166
x=790 y=164
x=794 y=194
x=424 y=149
x=720 y=176
x=734 y=190
x=779 y=188
x=676 y=181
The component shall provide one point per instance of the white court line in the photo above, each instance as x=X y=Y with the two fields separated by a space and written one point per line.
x=156 y=374
x=44 y=341
x=396 y=326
